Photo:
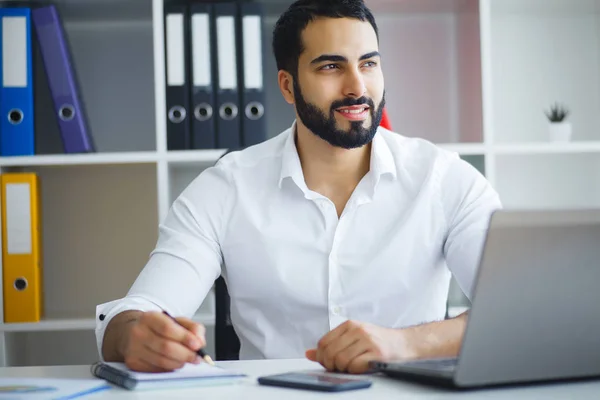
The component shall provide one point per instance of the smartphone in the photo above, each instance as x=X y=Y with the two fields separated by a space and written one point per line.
x=314 y=381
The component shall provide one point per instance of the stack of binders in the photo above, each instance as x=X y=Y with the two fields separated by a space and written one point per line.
x=214 y=75
x=17 y=125
x=21 y=266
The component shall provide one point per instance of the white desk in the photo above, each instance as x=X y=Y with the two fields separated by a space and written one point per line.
x=382 y=388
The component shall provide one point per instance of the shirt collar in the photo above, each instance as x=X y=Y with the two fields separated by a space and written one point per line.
x=290 y=161
x=382 y=160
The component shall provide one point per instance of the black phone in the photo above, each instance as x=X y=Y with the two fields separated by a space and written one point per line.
x=314 y=381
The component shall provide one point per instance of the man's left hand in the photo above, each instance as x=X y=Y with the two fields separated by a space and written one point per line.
x=350 y=347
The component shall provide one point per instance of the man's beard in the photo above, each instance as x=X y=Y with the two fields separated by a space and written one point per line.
x=325 y=126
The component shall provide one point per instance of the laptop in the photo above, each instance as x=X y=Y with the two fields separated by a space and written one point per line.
x=535 y=313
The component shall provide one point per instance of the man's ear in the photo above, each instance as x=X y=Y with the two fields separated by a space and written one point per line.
x=286 y=85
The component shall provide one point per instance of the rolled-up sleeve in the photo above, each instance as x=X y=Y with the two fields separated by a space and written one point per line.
x=468 y=200
x=187 y=257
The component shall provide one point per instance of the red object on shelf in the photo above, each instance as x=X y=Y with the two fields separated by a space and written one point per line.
x=385 y=121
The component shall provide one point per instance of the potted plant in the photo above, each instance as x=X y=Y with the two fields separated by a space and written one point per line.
x=560 y=129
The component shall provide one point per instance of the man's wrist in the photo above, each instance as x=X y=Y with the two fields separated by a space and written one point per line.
x=436 y=339
x=124 y=338
x=116 y=335
x=406 y=344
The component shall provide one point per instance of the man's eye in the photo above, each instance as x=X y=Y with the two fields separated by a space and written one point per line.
x=328 y=66
x=370 y=64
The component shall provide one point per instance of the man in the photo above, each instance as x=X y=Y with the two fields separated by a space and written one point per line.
x=337 y=238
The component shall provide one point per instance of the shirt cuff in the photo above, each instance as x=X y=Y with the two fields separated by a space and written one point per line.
x=106 y=311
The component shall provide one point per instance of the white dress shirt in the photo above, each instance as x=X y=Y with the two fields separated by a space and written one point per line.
x=294 y=270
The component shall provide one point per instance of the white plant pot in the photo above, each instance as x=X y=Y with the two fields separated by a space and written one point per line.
x=560 y=131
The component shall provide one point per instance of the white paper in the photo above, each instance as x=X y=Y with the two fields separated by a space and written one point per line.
x=253 y=78
x=187 y=371
x=226 y=52
x=175 y=50
x=18 y=218
x=201 y=61
x=14 y=51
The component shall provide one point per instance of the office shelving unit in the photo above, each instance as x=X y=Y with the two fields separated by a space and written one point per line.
x=473 y=76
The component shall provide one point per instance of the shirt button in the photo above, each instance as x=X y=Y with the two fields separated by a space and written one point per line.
x=336 y=310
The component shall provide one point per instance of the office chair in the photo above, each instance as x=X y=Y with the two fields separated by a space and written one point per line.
x=227 y=343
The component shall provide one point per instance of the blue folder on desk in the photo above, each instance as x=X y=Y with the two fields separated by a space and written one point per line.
x=16 y=90
x=49 y=388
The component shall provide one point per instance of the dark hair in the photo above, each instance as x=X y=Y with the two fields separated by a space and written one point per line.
x=287 y=35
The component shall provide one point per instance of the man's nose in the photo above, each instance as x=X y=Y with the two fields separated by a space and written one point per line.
x=354 y=84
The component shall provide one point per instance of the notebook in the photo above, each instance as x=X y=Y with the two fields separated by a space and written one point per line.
x=48 y=388
x=189 y=375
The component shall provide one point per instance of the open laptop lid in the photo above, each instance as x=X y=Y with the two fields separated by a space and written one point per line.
x=536 y=305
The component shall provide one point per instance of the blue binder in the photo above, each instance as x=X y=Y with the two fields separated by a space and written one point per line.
x=62 y=80
x=16 y=84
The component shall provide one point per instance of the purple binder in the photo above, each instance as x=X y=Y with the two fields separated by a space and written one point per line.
x=62 y=80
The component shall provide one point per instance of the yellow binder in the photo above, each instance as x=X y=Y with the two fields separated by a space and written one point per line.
x=21 y=248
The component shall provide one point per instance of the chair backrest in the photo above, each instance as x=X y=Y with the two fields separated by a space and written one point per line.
x=227 y=343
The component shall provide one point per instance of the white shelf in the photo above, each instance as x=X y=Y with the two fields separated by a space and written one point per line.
x=183 y=157
x=548 y=148
x=80 y=159
x=465 y=148
x=194 y=156
x=76 y=324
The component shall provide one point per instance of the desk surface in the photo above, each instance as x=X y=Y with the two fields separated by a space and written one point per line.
x=382 y=388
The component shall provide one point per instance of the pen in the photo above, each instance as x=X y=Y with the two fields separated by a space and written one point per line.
x=200 y=352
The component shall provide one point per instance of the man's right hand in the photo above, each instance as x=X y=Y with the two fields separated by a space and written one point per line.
x=153 y=342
